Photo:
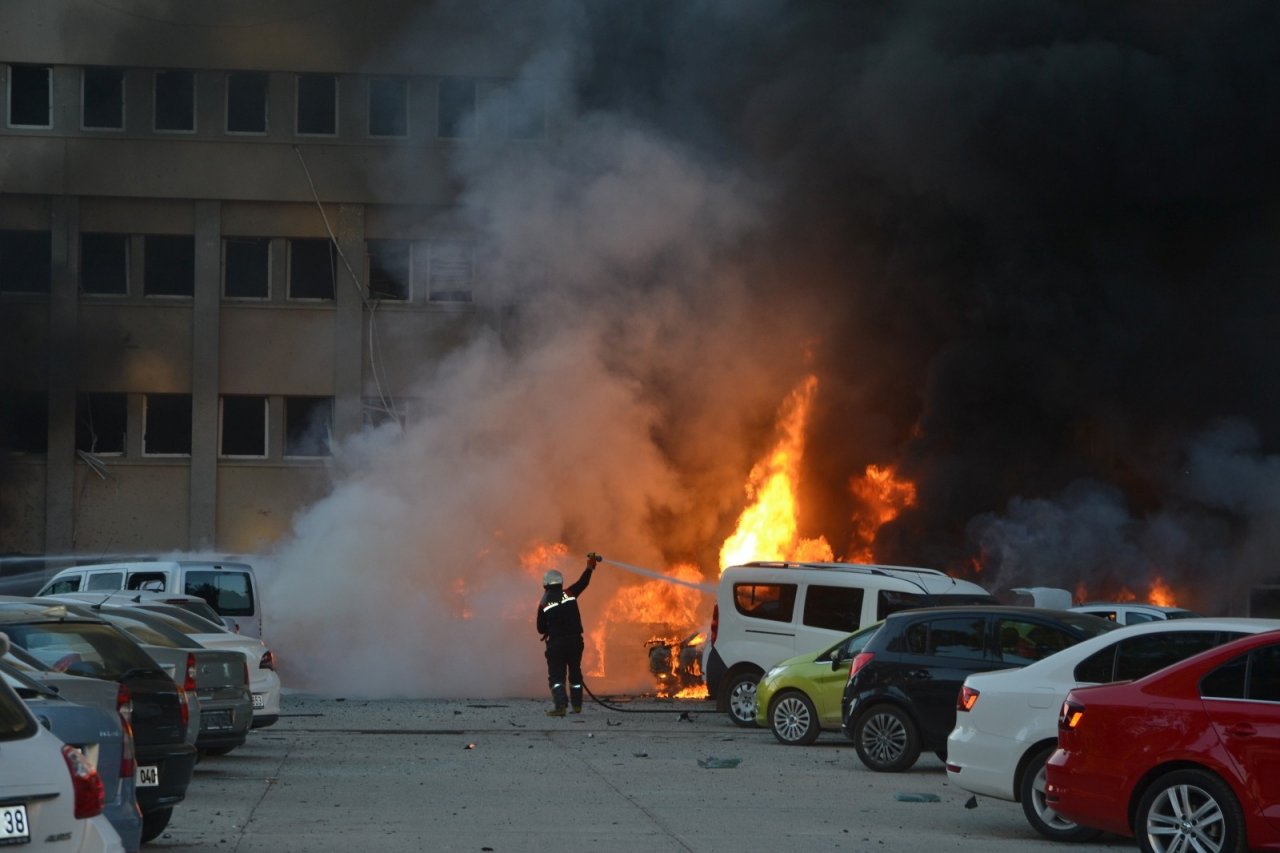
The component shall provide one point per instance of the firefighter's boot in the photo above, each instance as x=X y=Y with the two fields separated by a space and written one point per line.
x=575 y=695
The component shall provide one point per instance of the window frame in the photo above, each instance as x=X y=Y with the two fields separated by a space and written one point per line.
x=288 y=437
x=84 y=398
x=155 y=102
x=127 y=242
x=266 y=103
x=266 y=427
x=292 y=244
x=148 y=266
x=404 y=113
x=84 y=88
x=228 y=240
x=146 y=419
x=297 y=106
x=9 y=122
x=407 y=284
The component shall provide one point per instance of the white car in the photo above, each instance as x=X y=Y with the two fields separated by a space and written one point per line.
x=51 y=796
x=1132 y=613
x=1007 y=721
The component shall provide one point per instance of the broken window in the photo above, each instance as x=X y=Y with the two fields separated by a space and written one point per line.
x=383 y=410
x=24 y=421
x=247 y=102
x=308 y=426
x=389 y=269
x=317 y=104
x=246 y=267
x=456 y=111
x=388 y=106
x=166 y=426
x=244 y=426
x=102 y=99
x=313 y=268
x=30 y=96
x=104 y=263
x=26 y=261
x=175 y=100
x=101 y=419
x=170 y=265
x=449 y=271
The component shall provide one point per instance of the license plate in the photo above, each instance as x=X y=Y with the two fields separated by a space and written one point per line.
x=259 y=701
x=215 y=721
x=13 y=825
x=148 y=777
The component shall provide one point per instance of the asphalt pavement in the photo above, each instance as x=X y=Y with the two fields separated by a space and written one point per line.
x=344 y=774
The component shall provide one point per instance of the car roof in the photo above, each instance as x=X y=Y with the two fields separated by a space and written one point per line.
x=985 y=609
x=19 y=610
x=929 y=581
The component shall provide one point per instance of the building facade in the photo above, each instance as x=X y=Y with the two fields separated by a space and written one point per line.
x=228 y=239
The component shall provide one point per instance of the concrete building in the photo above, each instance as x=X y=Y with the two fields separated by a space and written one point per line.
x=228 y=238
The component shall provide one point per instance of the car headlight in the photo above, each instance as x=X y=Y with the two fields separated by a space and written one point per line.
x=775 y=672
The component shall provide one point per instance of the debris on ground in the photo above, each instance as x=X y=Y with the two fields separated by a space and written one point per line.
x=911 y=797
x=714 y=763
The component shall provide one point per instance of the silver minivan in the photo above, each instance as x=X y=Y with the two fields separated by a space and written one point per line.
x=231 y=588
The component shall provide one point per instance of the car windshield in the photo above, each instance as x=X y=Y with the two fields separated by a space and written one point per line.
x=81 y=648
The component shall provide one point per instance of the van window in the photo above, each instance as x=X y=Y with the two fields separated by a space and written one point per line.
x=105 y=580
x=148 y=581
x=71 y=584
x=773 y=601
x=888 y=601
x=836 y=607
x=229 y=593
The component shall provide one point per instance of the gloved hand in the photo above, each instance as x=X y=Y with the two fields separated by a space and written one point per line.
x=592 y=559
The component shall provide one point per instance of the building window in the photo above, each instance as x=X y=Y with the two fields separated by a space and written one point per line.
x=246 y=267
x=243 y=427
x=526 y=114
x=175 y=100
x=449 y=271
x=308 y=426
x=26 y=260
x=457 y=108
x=24 y=421
x=317 y=104
x=170 y=265
x=379 y=411
x=313 y=268
x=100 y=423
x=389 y=269
x=166 y=427
x=388 y=106
x=247 y=102
x=30 y=96
x=102 y=99
x=104 y=264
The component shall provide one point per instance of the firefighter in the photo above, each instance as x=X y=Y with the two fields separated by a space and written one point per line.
x=560 y=625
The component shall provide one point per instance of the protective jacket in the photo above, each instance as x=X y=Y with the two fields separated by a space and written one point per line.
x=558 y=614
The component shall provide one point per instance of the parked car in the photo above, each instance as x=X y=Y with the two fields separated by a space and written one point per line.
x=50 y=792
x=1007 y=721
x=769 y=612
x=1132 y=613
x=84 y=645
x=800 y=697
x=1183 y=759
x=900 y=698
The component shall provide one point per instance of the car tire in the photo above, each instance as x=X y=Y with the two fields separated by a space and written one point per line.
x=740 y=698
x=1042 y=818
x=793 y=719
x=154 y=822
x=886 y=739
x=1161 y=820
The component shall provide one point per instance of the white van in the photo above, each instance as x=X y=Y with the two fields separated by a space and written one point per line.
x=768 y=612
x=230 y=587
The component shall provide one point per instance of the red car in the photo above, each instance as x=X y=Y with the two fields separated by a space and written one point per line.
x=1187 y=758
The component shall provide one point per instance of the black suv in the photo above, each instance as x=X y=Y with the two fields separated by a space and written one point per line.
x=900 y=699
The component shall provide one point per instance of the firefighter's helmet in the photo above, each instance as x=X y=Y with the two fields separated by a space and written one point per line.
x=552 y=578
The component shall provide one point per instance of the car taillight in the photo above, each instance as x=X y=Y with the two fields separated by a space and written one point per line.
x=715 y=623
x=86 y=784
x=124 y=707
x=1071 y=715
x=184 y=707
x=189 y=683
x=966 y=699
x=860 y=660
x=268 y=660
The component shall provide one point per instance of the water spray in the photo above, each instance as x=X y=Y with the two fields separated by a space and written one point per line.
x=650 y=573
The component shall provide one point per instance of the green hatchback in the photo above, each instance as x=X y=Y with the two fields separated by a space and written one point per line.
x=800 y=697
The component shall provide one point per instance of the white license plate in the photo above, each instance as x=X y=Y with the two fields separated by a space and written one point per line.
x=13 y=825
x=259 y=701
x=148 y=777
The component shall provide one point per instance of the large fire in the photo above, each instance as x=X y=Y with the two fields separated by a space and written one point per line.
x=1158 y=592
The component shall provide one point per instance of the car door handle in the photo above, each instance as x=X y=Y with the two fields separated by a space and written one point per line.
x=1241 y=730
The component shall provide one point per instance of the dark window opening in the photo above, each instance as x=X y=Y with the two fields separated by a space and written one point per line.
x=890 y=601
x=170 y=266
x=246 y=267
x=389 y=269
x=244 y=426
x=100 y=422
x=449 y=271
x=24 y=421
x=229 y=593
x=104 y=263
x=1227 y=681
x=773 y=601
x=103 y=98
x=308 y=426
x=175 y=100
x=836 y=607
x=388 y=106
x=30 y=96
x=313 y=268
x=457 y=108
x=247 y=102
x=26 y=261
x=167 y=425
x=317 y=104
x=526 y=114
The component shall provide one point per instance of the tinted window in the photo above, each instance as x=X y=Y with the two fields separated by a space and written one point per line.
x=835 y=607
x=889 y=602
x=230 y=593
x=1135 y=617
x=1141 y=656
x=105 y=580
x=774 y=601
x=147 y=580
x=955 y=637
x=1264 y=674
x=1097 y=667
x=1227 y=681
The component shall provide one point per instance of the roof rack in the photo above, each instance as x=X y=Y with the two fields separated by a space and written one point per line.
x=867 y=568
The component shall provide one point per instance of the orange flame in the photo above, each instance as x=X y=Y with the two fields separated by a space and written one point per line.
x=1161 y=593
x=655 y=602
x=540 y=556
x=884 y=498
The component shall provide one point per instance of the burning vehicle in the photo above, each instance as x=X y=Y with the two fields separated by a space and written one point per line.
x=676 y=666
